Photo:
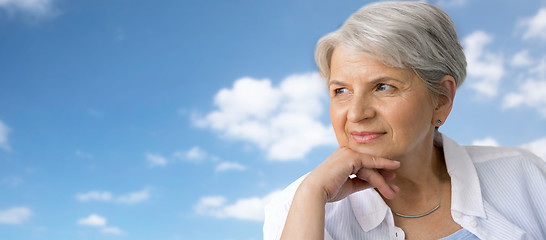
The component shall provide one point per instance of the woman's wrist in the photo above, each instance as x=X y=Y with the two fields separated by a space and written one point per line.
x=311 y=190
x=305 y=219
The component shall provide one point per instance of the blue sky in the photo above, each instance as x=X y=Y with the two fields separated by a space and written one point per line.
x=179 y=119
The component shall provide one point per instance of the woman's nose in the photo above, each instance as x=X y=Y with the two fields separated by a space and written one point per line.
x=360 y=109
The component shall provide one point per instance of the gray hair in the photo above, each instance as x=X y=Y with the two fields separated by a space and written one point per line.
x=408 y=35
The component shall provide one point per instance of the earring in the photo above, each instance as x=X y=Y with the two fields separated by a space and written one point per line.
x=439 y=122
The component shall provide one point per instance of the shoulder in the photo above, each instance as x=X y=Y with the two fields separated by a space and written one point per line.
x=283 y=199
x=507 y=167
x=498 y=158
x=277 y=209
x=513 y=182
x=509 y=174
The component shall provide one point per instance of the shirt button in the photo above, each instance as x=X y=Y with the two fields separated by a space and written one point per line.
x=399 y=234
x=473 y=223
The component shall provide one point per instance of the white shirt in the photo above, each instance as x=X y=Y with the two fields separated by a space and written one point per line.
x=497 y=193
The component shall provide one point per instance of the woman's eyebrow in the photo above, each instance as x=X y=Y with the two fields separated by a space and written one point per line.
x=373 y=82
x=385 y=79
x=336 y=82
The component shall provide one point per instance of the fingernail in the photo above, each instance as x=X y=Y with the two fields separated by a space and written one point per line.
x=391 y=176
x=395 y=188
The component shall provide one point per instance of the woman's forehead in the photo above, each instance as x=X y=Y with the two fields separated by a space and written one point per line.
x=349 y=63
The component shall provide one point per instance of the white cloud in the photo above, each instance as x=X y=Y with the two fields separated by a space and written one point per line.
x=485 y=69
x=531 y=92
x=195 y=154
x=4 y=131
x=94 y=196
x=93 y=220
x=155 y=160
x=112 y=230
x=537 y=147
x=531 y=88
x=105 y=196
x=522 y=59
x=12 y=181
x=134 y=197
x=488 y=141
x=536 y=25
x=209 y=202
x=281 y=120
x=227 y=166
x=246 y=209
x=15 y=215
x=35 y=8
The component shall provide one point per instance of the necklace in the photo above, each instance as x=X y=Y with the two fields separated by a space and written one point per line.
x=427 y=213
x=420 y=215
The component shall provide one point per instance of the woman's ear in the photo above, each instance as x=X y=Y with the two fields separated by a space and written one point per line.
x=445 y=100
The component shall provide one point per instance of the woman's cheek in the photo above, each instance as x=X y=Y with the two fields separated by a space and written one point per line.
x=338 y=117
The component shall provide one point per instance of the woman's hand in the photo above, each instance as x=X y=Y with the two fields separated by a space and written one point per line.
x=332 y=175
x=330 y=182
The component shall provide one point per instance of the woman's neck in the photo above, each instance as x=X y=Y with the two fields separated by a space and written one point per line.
x=419 y=178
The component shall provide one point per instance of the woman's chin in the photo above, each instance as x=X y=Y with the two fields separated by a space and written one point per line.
x=373 y=151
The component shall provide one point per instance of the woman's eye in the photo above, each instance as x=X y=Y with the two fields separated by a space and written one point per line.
x=341 y=91
x=384 y=87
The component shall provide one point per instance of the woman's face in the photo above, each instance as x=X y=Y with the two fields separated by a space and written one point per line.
x=376 y=109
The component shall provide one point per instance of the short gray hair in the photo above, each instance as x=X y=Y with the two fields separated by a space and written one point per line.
x=408 y=35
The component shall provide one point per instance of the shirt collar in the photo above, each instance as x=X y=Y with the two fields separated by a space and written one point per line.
x=370 y=210
x=466 y=194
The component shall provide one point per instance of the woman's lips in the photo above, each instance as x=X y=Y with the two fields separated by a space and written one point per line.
x=366 y=137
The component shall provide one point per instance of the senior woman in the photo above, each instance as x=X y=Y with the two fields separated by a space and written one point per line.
x=393 y=69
